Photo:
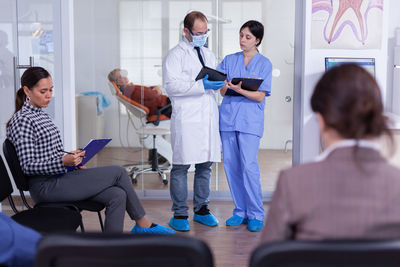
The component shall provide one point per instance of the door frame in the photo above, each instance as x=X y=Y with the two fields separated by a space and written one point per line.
x=66 y=69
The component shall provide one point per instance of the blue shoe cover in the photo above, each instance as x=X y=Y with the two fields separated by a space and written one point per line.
x=236 y=220
x=157 y=230
x=208 y=219
x=179 y=224
x=255 y=225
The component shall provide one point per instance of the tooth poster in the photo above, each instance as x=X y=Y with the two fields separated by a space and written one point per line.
x=346 y=24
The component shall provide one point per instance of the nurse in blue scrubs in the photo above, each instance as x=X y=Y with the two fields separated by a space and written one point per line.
x=241 y=125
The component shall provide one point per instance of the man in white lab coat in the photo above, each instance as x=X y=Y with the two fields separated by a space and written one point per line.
x=194 y=122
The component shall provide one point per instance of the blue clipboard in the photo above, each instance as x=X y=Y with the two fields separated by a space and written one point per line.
x=92 y=148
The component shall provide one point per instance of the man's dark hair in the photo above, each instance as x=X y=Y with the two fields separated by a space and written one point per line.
x=190 y=18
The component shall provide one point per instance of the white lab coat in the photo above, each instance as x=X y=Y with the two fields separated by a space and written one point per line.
x=194 y=123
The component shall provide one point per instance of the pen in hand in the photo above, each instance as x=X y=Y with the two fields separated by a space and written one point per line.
x=70 y=153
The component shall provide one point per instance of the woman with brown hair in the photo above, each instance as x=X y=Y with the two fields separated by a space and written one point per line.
x=351 y=191
x=40 y=151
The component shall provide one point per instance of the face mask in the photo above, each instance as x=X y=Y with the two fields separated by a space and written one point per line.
x=199 y=40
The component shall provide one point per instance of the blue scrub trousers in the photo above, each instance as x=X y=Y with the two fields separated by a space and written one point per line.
x=243 y=173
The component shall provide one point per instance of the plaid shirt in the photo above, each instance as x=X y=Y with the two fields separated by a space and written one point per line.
x=37 y=141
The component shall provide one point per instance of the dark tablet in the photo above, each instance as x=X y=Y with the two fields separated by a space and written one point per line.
x=213 y=75
x=249 y=84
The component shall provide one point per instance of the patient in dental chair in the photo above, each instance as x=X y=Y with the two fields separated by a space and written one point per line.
x=151 y=97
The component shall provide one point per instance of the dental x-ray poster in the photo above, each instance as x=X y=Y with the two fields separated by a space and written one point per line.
x=346 y=24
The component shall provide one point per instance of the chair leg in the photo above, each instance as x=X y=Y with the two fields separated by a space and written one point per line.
x=137 y=172
x=24 y=199
x=82 y=227
x=163 y=176
x=73 y=207
x=12 y=204
x=154 y=166
x=154 y=161
x=101 y=221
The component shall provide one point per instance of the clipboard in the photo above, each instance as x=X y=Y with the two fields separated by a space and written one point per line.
x=249 y=84
x=92 y=148
x=213 y=75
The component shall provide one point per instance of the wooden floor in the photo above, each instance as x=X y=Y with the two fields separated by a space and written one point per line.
x=231 y=246
x=270 y=162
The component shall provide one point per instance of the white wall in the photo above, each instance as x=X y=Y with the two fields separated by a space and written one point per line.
x=313 y=68
x=97 y=52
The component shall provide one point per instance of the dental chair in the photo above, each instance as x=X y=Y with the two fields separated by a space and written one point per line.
x=152 y=132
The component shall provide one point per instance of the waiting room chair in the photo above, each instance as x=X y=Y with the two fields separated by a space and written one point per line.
x=41 y=219
x=155 y=126
x=21 y=181
x=122 y=250
x=327 y=254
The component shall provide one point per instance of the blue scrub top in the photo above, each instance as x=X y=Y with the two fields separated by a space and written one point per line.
x=238 y=113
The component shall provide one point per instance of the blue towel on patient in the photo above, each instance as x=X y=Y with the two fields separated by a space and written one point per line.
x=102 y=101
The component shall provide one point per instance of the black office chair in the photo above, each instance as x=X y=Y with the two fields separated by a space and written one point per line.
x=41 y=219
x=122 y=250
x=327 y=254
x=21 y=181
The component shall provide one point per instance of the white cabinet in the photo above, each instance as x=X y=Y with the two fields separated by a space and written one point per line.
x=89 y=124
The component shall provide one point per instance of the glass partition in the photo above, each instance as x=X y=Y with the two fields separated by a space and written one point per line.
x=27 y=39
x=135 y=35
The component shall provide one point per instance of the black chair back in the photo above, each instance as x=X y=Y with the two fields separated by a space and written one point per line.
x=327 y=254
x=13 y=162
x=122 y=250
x=21 y=181
x=52 y=219
x=5 y=183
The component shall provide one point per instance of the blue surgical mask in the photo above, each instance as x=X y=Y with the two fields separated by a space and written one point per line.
x=199 y=40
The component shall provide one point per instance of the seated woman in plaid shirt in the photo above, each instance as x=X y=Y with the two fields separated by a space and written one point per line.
x=37 y=141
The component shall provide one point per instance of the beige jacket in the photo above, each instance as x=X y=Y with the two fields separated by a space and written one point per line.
x=335 y=199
